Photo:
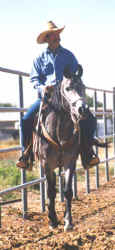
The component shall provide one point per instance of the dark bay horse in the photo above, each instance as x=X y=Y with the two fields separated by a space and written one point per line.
x=58 y=140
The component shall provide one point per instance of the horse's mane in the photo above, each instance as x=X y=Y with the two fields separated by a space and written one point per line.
x=56 y=101
x=56 y=97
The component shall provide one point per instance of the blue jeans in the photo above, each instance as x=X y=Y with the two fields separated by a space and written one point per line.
x=27 y=123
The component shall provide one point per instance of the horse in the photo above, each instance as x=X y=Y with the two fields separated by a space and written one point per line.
x=58 y=139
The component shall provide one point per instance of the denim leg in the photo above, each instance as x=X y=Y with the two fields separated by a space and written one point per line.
x=27 y=122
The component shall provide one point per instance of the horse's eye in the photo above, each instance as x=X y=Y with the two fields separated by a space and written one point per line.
x=68 y=88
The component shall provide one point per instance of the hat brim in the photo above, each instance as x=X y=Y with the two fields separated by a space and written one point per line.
x=41 y=37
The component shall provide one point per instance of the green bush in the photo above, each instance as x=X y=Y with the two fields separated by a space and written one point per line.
x=10 y=176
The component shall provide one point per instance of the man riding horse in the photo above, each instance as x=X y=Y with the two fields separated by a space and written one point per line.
x=48 y=70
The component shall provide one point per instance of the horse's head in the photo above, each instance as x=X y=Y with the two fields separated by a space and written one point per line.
x=67 y=94
x=72 y=91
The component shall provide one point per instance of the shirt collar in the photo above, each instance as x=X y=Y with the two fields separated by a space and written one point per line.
x=49 y=51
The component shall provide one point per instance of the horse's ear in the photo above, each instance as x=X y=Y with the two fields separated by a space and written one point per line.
x=67 y=72
x=79 y=70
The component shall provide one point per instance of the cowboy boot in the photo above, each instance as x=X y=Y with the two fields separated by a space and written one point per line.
x=22 y=162
x=87 y=126
x=89 y=158
x=27 y=158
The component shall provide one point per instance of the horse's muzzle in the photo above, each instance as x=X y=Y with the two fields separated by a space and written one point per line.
x=76 y=107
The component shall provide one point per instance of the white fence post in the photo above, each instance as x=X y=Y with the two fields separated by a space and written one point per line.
x=114 y=122
x=23 y=172
x=97 y=167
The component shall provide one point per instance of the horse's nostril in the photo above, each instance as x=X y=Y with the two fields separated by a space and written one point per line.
x=74 y=104
x=80 y=110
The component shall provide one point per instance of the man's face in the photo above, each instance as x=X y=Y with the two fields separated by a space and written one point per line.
x=53 y=40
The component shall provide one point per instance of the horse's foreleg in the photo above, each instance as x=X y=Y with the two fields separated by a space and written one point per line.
x=68 y=197
x=51 y=192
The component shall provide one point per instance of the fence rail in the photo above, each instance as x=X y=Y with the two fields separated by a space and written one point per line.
x=23 y=186
x=15 y=72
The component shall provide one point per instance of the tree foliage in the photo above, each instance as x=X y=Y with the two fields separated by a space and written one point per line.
x=6 y=105
x=88 y=98
x=90 y=102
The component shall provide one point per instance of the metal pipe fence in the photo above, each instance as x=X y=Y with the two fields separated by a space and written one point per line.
x=23 y=186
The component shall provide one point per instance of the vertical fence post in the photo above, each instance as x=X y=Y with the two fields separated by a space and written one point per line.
x=42 y=185
x=105 y=134
x=97 y=168
x=61 y=186
x=74 y=184
x=42 y=190
x=87 y=183
x=0 y=215
x=114 y=123
x=23 y=173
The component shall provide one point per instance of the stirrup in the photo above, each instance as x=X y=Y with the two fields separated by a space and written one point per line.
x=94 y=161
x=89 y=159
x=22 y=162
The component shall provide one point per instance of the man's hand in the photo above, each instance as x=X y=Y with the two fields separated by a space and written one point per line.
x=48 y=91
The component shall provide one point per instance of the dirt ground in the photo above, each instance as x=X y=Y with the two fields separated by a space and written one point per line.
x=93 y=219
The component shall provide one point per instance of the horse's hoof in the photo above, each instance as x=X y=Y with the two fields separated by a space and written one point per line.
x=53 y=225
x=68 y=227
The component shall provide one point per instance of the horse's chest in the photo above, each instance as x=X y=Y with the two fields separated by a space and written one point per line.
x=65 y=129
x=58 y=127
x=51 y=124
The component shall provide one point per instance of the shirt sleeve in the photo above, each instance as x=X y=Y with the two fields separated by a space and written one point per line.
x=73 y=63
x=36 y=75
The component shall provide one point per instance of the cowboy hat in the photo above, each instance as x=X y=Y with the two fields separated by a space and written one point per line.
x=51 y=27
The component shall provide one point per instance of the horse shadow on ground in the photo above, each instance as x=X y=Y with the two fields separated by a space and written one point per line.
x=79 y=244
x=67 y=246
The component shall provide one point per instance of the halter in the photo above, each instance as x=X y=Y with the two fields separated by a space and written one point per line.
x=72 y=104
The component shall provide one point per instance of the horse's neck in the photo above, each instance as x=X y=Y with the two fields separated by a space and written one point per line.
x=64 y=129
x=59 y=125
x=65 y=126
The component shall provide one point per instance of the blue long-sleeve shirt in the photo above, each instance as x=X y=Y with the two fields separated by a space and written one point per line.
x=49 y=67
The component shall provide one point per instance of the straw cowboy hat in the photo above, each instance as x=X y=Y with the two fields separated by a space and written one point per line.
x=51 y=27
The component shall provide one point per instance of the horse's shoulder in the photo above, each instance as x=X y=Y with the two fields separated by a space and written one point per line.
x=51 y=116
